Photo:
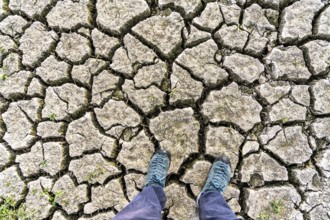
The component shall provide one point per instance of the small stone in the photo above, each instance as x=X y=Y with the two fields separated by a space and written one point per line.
x=312 y=143
x=250 y=147
x=67 y=15
x=11 y=64
x=307 y=178
x=235 y=107
x=37 y=200
x=194 y=36
x=13 y=25
x=55 y=157
x=232 y=37
x=158 y=28
x=82 y=136
x=300 y=94
x=262 y=166
x=33 y=9
x=321 y=92
x=11 y=184
x=93 y=169
x=100 y=216
x=286 y=110
x=31 y=163
x=221 y=140
x=274 y=90
x=245 y=67
x=200 y=60
x=19 y=133
x=70 y=196
x=104 y=45
x=231 y=13
x=177 y=132
x=64 y=101
x=319 y=54
x=211 y=16
x=118 y=15
x=148 y=75
x=147 y=99
x=50 y=129
x=322 y=162
x=259 y=202
x=324 y=23
x=101 y=194
x=287 y=62
x=15 y=84
x=296 y=22
x=180 y=205
x=183 y=87
x=6 y=156
x=135 y=154
x=73 y=47
x=321 y=128
x=104 y=84
x=53 y=71
x=86 y=32
x=84 y=72
x=134 y=182
x=36 y=88
x=116 y=114
x=291 y=145
x=196 y=176
x=36 y=43
x=189 y=6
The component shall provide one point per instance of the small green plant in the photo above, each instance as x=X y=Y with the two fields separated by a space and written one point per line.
x=52 y=117
x=9 y=211
x=98 y=172
x=52 y=196
x=2 y=50
x=263 y=216
x=43 y=164
x=277 y=207
x=3 y=76
x=284 y=120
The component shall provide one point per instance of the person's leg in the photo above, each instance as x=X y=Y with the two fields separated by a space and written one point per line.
x=150 y=202
x=212 y=205
x=147 y=205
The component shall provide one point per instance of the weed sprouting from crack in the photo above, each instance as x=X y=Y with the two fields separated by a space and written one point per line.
x=52 y=117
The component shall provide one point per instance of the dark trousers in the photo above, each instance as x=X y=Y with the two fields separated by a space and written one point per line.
x=149 y=204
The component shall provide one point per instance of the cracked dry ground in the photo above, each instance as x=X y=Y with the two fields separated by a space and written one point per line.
x=91 y=88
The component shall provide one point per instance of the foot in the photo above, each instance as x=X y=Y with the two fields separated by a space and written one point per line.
x=219 y=176
x=158 y=167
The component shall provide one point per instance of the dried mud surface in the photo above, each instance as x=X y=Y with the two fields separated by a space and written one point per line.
x=89 y=89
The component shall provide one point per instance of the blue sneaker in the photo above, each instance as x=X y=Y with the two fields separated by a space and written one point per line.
x=158 y=167
x=218 y=177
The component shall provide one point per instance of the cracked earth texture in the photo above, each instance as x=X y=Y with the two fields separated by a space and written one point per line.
x=89 y=89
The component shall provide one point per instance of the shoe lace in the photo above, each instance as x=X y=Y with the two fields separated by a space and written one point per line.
x=220 y=179
x=155 y=174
